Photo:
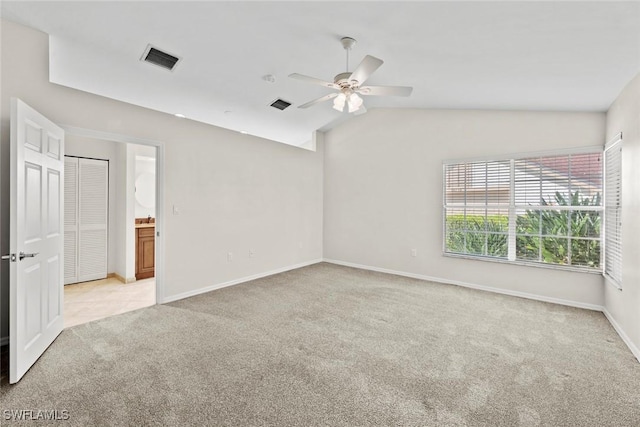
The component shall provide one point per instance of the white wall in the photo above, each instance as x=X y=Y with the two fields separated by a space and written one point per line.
x=623 y=306
x=234 y=192
x=103 y=150
x=383 y=191
x=145 y=166
x=129 y=212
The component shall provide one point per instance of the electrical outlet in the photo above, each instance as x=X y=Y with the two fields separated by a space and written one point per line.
x=414 y=252
x=252 y=253
x=229 y=256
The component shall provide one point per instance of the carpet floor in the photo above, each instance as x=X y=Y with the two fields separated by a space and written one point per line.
x=337 y=346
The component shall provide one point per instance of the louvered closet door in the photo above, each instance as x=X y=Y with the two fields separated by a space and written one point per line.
x=93 y=201
x=70 y=220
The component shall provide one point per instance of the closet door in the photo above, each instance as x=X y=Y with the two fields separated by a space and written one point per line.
x=70 y=220
x=93 y=192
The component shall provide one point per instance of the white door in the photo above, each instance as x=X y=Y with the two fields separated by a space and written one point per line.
x=86 y=203
x=36 y=241
x=93 y=200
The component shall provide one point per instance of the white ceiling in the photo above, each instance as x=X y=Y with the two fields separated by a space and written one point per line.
x=555 y=56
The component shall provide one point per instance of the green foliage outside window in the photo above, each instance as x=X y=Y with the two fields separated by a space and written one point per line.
x=470 y=234
x=565 y=237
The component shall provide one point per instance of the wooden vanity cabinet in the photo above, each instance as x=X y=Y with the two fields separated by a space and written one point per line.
x=145 y=252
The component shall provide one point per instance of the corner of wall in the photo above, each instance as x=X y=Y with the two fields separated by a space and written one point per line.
x=622 y=307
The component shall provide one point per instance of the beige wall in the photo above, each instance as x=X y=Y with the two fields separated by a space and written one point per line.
x=624 y=306
x=383 y=191
x=234 y=192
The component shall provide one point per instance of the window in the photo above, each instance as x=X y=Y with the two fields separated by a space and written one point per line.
x=543 y=209
x=613 y=211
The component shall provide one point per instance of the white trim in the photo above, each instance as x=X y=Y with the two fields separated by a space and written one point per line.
x=635 y=350
x=524 y=263
x=160 y=255
x=206 y=289
x=569 y=303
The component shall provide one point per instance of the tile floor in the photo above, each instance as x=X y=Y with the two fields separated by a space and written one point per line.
x=84 y=302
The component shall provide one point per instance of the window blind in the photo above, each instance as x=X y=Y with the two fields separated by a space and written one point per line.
x=477 y=208
x=613 y=212
x=544 y=209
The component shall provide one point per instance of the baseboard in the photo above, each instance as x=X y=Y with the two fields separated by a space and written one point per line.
x=122 y=279
x=634 y=349
x=560 y=301
x=237 y=281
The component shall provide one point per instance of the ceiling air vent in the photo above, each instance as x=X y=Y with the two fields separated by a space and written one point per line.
x=280 y=104
x=161 y=59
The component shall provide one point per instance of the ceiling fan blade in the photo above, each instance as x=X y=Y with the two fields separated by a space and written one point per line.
x=368 y=65
x=317 y=101
x=313 y=80
x=385 y=90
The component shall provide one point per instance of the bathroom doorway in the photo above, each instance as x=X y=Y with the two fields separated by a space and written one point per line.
x=132 y=278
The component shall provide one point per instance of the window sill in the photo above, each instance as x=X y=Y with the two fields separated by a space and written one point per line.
x=525 y=264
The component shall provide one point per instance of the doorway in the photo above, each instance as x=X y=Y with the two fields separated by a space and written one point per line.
x=134 y=187
x=36 y=258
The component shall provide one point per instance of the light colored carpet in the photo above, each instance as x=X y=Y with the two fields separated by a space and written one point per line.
x=330 y=345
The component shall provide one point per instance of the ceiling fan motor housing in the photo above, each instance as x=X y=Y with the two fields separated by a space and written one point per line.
x=343 y=80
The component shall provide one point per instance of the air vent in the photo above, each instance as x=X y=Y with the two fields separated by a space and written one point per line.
x=280 y=104
x=161 y=59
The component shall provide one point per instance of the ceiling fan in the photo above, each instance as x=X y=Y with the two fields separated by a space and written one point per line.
x=349 y=84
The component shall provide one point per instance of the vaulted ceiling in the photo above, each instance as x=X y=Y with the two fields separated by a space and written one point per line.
x=553 y=56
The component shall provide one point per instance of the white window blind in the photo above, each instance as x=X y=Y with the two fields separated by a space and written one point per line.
x=613 y=211
x=477 y=208
x=543 y=209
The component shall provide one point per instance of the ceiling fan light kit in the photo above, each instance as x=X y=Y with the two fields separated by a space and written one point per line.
x=349 y=84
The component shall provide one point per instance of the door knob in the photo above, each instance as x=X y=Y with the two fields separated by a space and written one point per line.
x=23 y=255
